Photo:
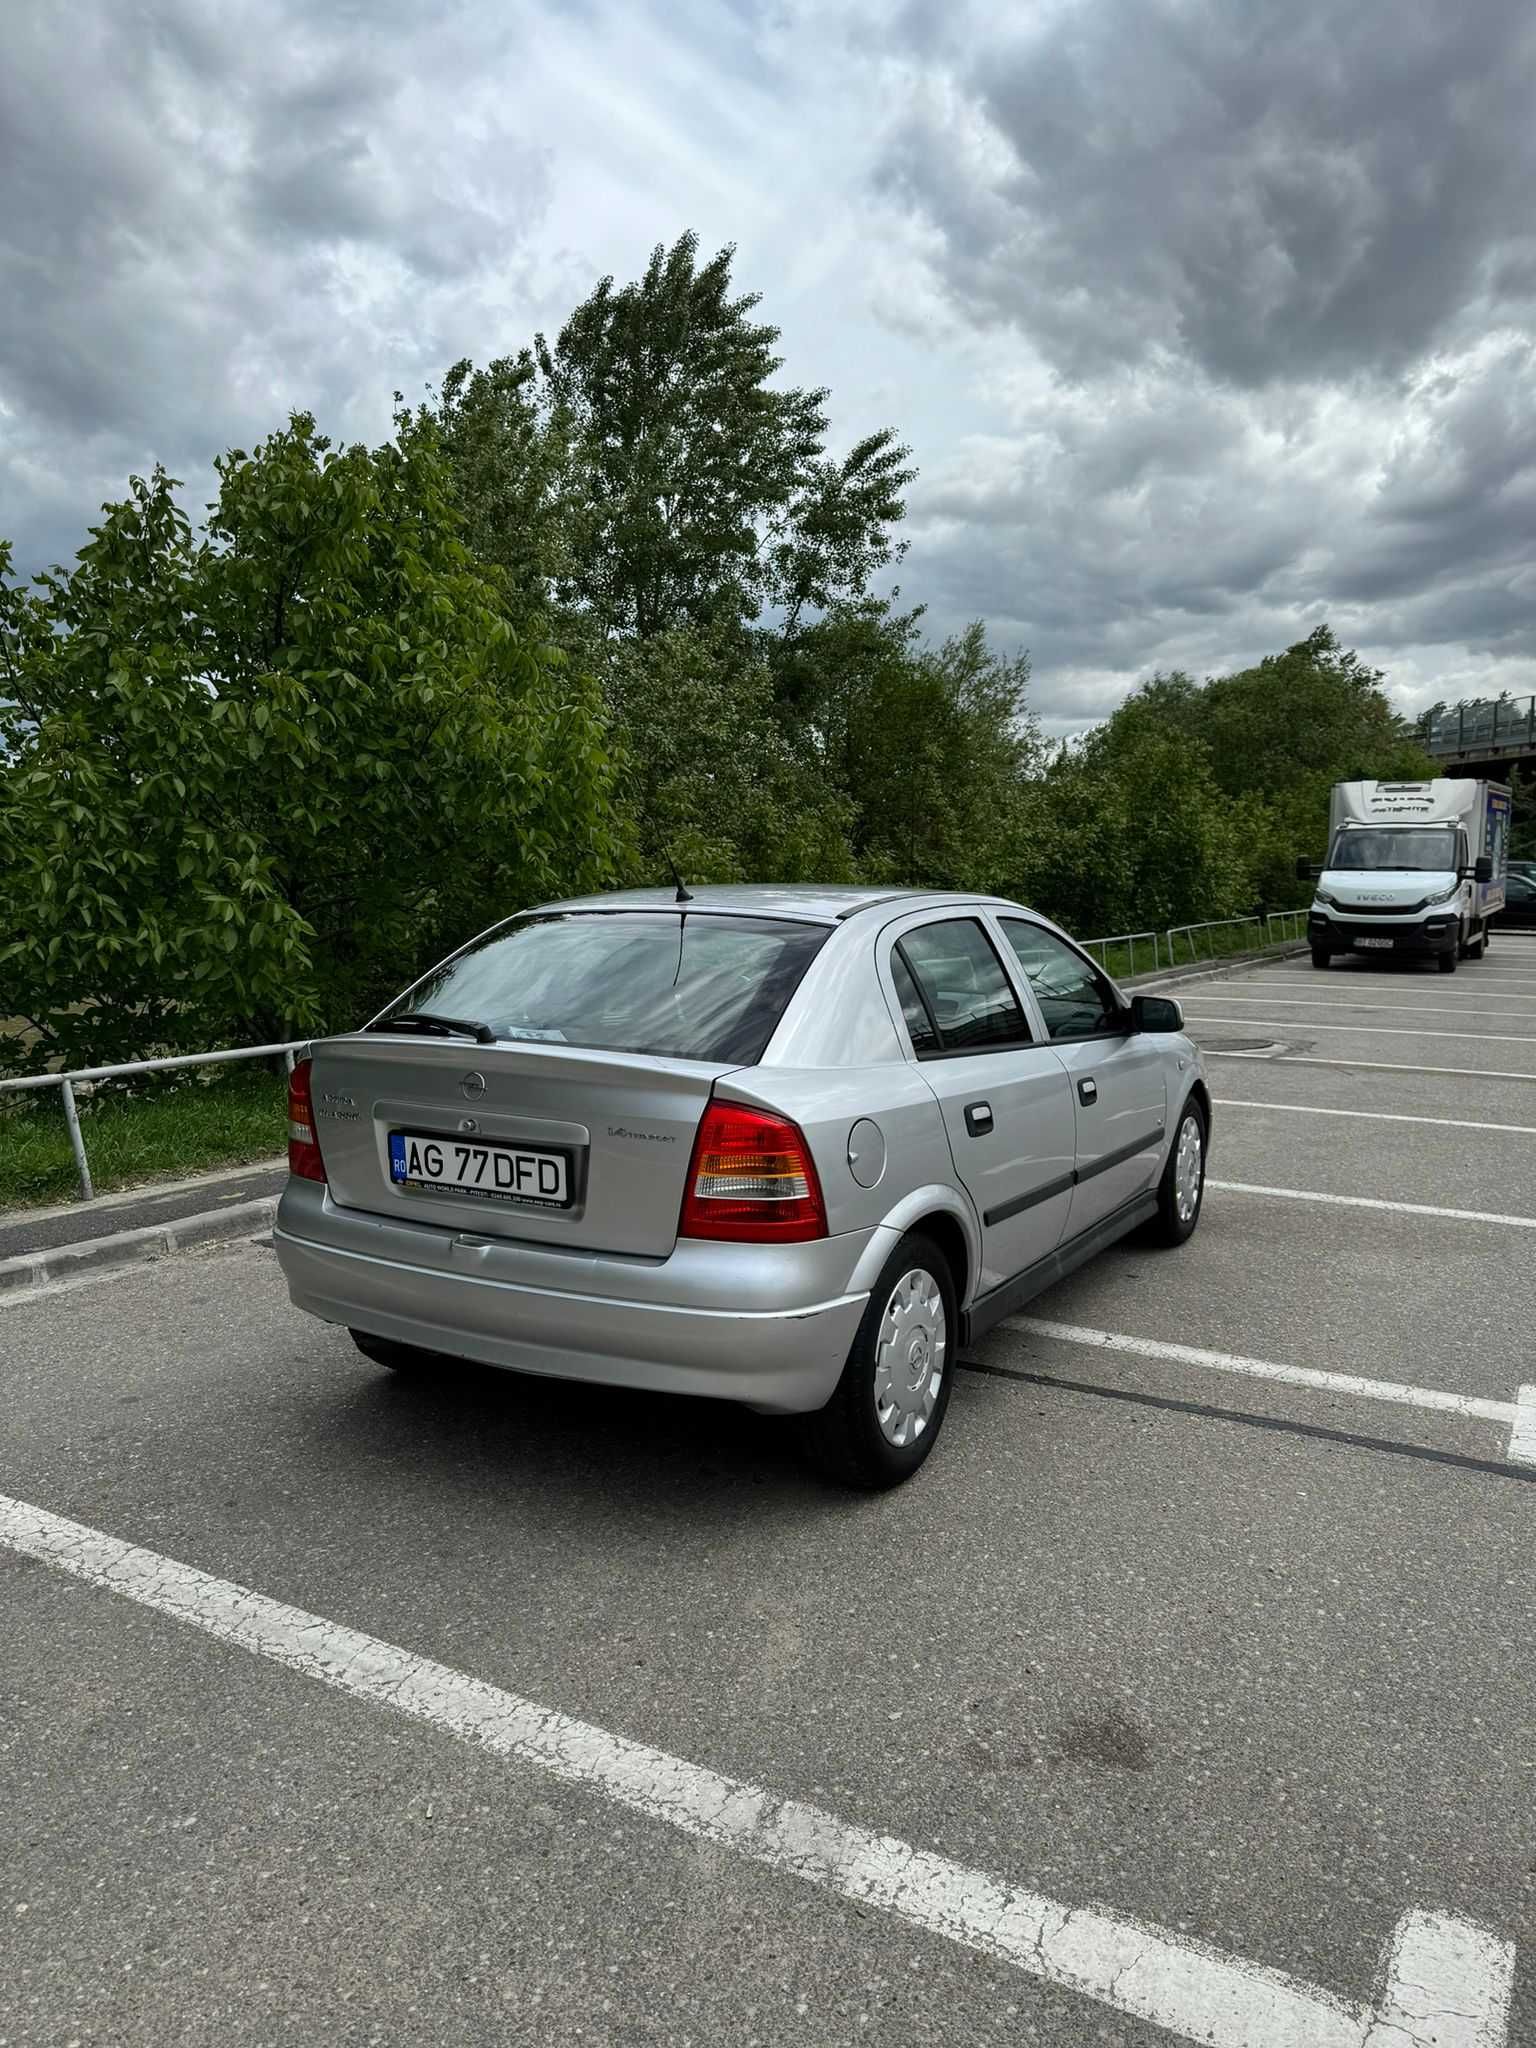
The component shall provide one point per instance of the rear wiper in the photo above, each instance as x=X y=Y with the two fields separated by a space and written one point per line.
x=438 y=1027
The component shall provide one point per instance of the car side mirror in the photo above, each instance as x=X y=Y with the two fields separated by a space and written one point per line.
x=1482 y=868
x=1156 y=1013
x=1306 y=870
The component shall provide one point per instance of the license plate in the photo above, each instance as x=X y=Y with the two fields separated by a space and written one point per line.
x=1384 y=944
x=421 y=1160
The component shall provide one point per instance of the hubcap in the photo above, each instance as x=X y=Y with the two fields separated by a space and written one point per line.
x=1189 y=1168
x=910 y=1355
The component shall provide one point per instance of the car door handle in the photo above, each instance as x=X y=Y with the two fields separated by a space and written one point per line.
x=978 y=1119
x=1088 y=1089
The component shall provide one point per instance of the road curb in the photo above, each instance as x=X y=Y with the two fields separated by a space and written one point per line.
x=28 y=1270
x=1176 y=977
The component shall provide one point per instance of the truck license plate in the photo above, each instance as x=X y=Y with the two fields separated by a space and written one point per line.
x=423 y=1161
x=1384 y=944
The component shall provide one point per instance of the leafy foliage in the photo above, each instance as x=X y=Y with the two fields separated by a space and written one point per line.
x=711 y=778
x=256 y=776
x=605 y=604
x=647 y=465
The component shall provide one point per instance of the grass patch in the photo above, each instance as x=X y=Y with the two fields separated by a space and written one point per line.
x=216 y=1117
x=1194 y=949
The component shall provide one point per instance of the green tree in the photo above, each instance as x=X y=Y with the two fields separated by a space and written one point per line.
x=931 y=747
x=648 y=465
x=711 y=778
x=254 y=778
x=1137 y=835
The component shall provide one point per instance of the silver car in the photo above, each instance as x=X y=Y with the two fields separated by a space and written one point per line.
x=794 y=1147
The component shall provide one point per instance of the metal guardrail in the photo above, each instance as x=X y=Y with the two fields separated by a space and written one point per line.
x=1211 y=925
x=1130 y=940
x=65 y=1083
x=1292 y=923
x=1491 y=722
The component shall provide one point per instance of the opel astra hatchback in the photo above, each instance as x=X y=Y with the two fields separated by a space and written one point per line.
x=794 y=1147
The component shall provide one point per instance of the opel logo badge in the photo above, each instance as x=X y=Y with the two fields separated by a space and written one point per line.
x=472 y=1087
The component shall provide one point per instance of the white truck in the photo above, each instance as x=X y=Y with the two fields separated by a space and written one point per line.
x=1412 y=867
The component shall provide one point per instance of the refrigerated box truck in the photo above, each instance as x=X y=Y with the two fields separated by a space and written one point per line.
x=1412 y=867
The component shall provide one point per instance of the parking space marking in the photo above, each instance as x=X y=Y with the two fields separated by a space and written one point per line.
x=1383 y=985
x=1437 y=1399
x=1302 y=1059
x=1375 y=1116
x=1399 y=1009
x=1244 y=1187
x=1522 y=1439
x=1374 y=1030
x=1444 y=1980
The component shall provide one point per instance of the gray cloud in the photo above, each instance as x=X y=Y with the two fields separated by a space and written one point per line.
x=1146 y=521
x=1268 y=188
x=212 y=219
x=1206 y=319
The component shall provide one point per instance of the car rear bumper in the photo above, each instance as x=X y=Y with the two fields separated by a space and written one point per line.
x=758 y=1324
x=1439 y=934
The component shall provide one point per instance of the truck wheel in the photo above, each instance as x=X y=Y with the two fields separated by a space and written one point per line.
x=1448 y=962
x=1320 y=956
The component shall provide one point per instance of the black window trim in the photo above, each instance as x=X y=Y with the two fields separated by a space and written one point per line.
x=967 y=915
x=1121 y=1029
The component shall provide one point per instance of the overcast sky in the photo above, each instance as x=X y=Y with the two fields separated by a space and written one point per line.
x=1206 y=319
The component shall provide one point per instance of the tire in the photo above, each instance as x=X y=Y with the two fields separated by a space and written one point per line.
x=398 y=1357
x=1447 y=961
x=1320 y=956
x=1176 y=1221
x=913 y=1299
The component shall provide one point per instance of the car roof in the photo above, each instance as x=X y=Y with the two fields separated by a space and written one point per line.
x=827 y=903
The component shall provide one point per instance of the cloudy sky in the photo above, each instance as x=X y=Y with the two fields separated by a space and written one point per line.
x=1206 y=319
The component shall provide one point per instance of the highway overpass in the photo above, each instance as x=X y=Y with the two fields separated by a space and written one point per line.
x=1483 y=736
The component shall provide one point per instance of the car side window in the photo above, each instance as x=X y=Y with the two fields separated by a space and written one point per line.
x=920 y=1029
x=1075 y=1000
x=965 y=998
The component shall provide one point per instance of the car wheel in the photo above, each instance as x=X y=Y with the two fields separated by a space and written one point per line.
x=1448 y=962
x=889 y=1406
x=1320 y=956
x=1181 y=1191
x=398 y=1357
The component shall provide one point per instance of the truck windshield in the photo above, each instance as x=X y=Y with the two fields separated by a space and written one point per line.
x=700 y=987
x=1420 y=851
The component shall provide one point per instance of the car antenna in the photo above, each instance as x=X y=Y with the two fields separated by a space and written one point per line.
x=683 y=895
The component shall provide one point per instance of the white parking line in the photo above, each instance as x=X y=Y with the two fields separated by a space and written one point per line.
x=1243 y=1187
x=1416 y=1009
x=1434 y=1964
x=1374 y=1030
x=1522 y=990
x=1303 y=1059
x=1374 y=1116
x=1522 y=1442
x=1511 y=1414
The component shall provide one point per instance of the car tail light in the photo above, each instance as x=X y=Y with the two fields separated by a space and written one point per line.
x=751 y=1178
x=303 y=1153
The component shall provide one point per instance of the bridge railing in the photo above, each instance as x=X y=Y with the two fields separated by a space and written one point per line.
x=1490 y=722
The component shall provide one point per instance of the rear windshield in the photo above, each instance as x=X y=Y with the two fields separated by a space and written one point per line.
x=681 y=986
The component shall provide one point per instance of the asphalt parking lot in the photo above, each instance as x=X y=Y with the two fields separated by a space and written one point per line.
x=1187 y=1693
